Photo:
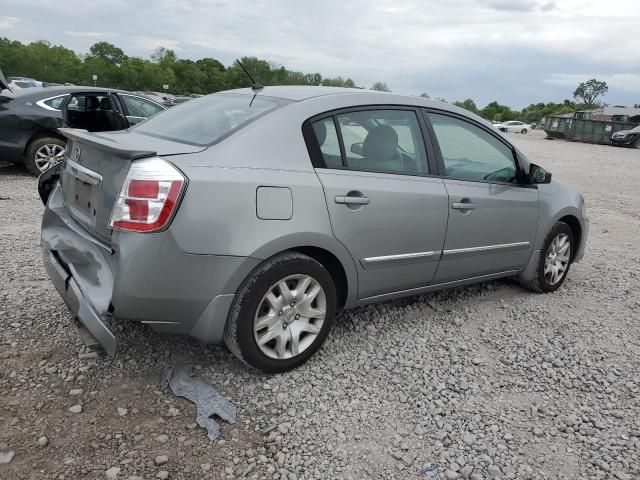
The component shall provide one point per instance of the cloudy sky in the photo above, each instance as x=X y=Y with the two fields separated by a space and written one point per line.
x=513 y=51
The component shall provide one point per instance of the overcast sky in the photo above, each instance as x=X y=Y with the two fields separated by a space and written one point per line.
x=513 y=51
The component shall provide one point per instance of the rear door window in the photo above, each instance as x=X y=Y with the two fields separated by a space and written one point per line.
x=385 y=141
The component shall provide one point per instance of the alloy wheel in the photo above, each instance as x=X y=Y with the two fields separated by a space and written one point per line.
x=557 y=259
x=290 y=316
x=48 y=155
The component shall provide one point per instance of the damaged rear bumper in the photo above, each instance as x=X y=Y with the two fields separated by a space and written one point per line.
x=67 y=287
x=144 y=278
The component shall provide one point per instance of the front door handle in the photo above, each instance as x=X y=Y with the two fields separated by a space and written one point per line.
x=463 y=205
x=349 y=200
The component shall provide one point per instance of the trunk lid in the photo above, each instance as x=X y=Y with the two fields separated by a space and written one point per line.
x=96 y=165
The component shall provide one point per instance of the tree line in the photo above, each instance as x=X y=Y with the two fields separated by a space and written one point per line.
x=57 y=64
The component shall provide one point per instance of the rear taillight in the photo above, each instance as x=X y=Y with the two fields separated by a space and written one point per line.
x=149 y=196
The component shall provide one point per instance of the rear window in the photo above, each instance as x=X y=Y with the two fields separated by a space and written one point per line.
x=206 y=120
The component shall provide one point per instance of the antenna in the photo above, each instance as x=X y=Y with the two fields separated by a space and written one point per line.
x=255 y=86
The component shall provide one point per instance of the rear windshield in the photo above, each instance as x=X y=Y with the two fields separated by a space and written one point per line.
x=205 y=120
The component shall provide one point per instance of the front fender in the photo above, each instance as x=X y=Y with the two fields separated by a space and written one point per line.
x=557 y=201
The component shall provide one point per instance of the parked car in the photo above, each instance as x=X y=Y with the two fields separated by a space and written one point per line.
x=627 y=138
x=513 y=126
x=30 y=118
x=252 y=216
x=17 y=83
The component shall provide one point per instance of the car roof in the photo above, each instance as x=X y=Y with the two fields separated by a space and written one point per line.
x=352 y=97
x=45 y=92
x=298 y=92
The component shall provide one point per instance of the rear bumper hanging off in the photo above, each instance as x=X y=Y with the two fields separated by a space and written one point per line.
x=70 y=292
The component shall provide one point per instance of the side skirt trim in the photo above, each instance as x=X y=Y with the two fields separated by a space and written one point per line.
x=439 y=286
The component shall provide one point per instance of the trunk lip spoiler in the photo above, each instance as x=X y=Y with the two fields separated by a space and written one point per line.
x=103 y=143
x=4 y=85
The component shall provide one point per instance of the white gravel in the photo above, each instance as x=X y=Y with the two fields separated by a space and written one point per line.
x=489 y=381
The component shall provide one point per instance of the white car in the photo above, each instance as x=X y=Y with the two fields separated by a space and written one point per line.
x=513 y=126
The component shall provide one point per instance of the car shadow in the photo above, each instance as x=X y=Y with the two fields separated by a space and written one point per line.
x=13 y=169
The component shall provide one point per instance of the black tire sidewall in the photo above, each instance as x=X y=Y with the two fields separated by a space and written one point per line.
x=252 y=293
x=557 y=229
x=29 y=160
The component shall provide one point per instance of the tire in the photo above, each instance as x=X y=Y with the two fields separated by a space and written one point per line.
x=38 y=153
x=542 y=283
x=524 y=130
x=283 y=321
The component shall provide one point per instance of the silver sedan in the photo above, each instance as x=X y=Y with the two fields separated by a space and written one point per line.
x=253 y=216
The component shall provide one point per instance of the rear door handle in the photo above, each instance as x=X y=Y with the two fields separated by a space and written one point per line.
x=349 y=200
x=463 y=206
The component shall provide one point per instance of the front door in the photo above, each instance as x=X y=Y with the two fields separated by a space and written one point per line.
x=138 y=109
x=493 y=214
x=384 y=206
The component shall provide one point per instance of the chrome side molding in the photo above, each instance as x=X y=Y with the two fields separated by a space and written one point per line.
x=488 y=248
x=387 y=260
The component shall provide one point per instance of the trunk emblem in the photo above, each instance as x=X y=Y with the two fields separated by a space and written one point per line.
x=75 y=155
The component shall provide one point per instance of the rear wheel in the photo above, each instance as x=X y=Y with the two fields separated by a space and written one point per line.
x=282 y=313
x=524 y=130
x=43 y=153
x=555 y=260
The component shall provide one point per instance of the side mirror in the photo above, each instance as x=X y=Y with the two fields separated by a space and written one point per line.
x=538 y=174
x=357 y=148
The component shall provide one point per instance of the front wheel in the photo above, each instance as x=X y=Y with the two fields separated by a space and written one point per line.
x=555 y=260
x=282 y=313
x=524 y=130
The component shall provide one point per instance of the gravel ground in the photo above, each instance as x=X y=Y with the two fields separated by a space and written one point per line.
x=489 y=381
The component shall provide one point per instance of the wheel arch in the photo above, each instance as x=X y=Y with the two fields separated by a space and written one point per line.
x=42 y=134
x=326 y=250
x=576 y=228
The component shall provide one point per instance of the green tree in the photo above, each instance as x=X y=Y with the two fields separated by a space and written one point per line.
x=164 y=56
x=108 y=52
x=467 y=104
x=497 y=112
x=380 y=87
x=589 y=91
x=424 y=95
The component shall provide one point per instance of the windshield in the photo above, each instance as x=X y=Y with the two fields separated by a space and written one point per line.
x=636 y=129
x=206 y=120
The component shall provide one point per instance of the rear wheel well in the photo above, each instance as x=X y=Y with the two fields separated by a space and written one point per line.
x=333 y=265
x=42 y=134
x=574 y=224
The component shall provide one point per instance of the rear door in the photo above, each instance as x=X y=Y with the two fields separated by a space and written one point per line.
x=493 y=212
x=385 y=203
x=94 y=111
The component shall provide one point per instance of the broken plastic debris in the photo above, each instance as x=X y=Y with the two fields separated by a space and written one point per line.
x=208 y=401
x=428 y=470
